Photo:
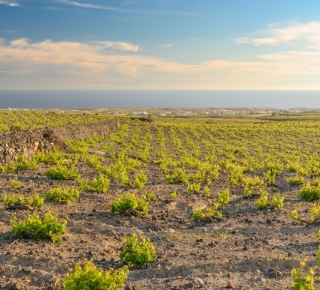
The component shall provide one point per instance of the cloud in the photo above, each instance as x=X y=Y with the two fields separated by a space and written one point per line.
x=306 y=34
x=124 y=46
x=88 y=57
x=118 y=65
x=133 y=2
x=87 y=5
x=168 y=45
x=9 y=3
x=129 y=3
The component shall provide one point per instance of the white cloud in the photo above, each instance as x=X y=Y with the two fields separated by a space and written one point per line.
x=306 y=34
x=129 y=3
x=124 y=46
x=87 y=5
x=9 y=3
x=90 y=57
x=168 y=45
x=133 y=2
x=60 y=65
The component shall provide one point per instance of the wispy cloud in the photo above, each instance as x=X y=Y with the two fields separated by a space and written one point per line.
x=87 y=5
x=124 y=46
x=133 y=2
x=103 y=7
x=9 y=3
x=306 y=34
x=168 y=45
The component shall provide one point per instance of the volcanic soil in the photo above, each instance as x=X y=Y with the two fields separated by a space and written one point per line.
x=245 y=249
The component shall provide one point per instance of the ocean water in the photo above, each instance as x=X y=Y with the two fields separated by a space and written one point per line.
x=159 y=99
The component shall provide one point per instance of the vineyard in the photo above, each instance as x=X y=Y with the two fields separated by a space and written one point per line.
x=163 y=205
x=21 y=120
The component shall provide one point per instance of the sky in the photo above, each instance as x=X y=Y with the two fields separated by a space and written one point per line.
x=159 y=45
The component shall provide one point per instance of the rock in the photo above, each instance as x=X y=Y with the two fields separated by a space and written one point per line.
x=26 y=271
x=199 y=281
x=262 y=280
x=246 y=246
x=65 y=237
x=274 y=273
x=230 y=285
x=16 y=286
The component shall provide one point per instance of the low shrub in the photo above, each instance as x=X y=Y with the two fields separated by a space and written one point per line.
x=18 y=199
x=53 y=157
x=151 y=196
x=100 y=184
x=137 y=252
x=173 y=195
x=62 y=195
x=262 y=202
x=94 y=161
x=194 y=188
x=141 y=180
x=207 y=213
x=206 y=191
x=178 y=175
x=302 y=279
x=296 y=180
x=37 y=228
x=294 y=214
x=15 y=183
x=224 y=197
x=7 y=168
x=276 y=202
x=62 y=173
x=17 y=127
x=90 y=277
x=130 y=204
x=315 y=213
x=309 y=192
x=23 y=164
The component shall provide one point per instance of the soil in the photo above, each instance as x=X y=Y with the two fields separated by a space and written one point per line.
x=245 y=249
x=15 y=143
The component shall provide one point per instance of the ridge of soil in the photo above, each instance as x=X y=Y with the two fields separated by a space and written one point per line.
x=27 y=142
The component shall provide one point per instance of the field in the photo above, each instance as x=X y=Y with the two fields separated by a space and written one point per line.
x=227 y=203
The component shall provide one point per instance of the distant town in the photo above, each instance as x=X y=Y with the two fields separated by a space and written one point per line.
x=166 y=112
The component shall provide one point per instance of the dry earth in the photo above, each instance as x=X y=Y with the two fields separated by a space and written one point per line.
x=246 y=249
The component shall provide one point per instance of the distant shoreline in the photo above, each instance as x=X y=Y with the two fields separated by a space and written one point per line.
x=159 y=99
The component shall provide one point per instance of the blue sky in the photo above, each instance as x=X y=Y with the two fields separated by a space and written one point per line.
x=160 y=44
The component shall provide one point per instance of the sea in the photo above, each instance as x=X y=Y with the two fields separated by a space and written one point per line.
x=83 y=99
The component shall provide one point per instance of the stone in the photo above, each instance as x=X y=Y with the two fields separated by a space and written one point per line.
x=26 y=271
x=261 y=280
x=230 y=285
x=199 y=281
x=16 y=286
x=274 y=273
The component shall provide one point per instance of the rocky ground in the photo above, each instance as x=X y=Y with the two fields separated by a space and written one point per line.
x=245 y=249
